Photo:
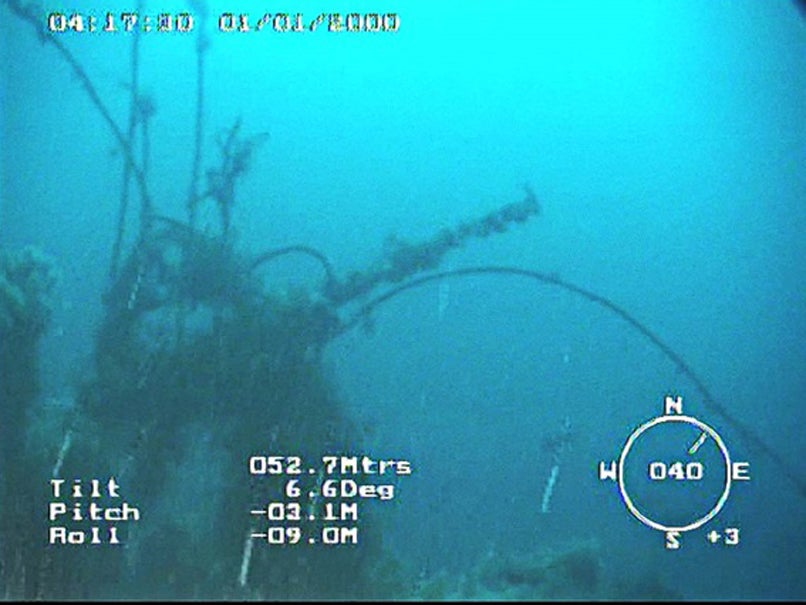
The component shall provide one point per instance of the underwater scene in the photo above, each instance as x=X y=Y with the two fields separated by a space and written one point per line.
x=395 y=300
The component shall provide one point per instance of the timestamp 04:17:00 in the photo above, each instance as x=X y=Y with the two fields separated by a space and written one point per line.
x=109 y=22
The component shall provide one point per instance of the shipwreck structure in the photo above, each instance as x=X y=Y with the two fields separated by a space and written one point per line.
x=198 y=365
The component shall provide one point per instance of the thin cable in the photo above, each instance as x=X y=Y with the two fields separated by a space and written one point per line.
x=551 y=279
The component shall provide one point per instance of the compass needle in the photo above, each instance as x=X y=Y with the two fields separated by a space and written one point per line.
x=693 y=449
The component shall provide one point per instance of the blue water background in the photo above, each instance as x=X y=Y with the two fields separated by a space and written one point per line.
x=666 y=143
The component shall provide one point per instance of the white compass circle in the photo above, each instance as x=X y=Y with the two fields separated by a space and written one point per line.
x=722 y=448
